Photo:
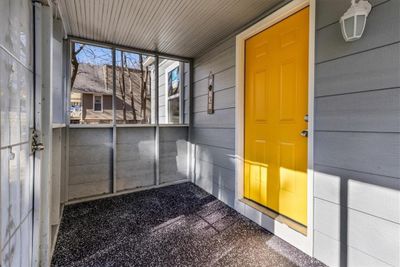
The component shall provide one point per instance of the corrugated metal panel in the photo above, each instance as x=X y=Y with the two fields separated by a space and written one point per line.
x=178 y=27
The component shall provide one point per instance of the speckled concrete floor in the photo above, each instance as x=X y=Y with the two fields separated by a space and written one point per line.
x=179 y=225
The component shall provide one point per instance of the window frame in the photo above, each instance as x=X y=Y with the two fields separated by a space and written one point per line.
x=159 y=56
x=173 y=66
x=101 y=102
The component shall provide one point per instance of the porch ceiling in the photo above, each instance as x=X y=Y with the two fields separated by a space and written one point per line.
x=178 y=27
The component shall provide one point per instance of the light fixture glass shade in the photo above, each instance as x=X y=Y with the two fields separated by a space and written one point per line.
x=353 y=21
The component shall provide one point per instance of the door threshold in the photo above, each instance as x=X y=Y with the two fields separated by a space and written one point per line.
x=298 y=227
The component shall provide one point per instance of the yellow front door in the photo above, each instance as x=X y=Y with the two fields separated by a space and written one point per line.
x=276 y=81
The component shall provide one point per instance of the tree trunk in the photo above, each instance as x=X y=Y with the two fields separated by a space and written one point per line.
x=123 y=90
x=132 y=97
x=145 y=93
x=75 y=64
x=142 y=87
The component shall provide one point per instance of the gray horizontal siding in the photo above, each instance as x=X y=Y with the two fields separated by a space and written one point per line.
x=357 y=140
x=224 y=99
x=221 y=118
x=332 y=250
x=223 y=79
x=372 y=194
x=368 y=234
x=214 y=134
x=218 y=156
x=371 y=70
x=220 y=62
x=210 y=174
x=374 y=111
x=376 y=153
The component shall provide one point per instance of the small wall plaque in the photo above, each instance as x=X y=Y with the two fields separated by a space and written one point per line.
x=210 y=102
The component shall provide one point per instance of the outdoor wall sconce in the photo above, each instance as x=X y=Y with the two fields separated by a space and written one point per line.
x=210 y=102
x=354 y=20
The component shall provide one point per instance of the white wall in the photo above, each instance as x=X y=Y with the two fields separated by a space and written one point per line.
x=16 y=90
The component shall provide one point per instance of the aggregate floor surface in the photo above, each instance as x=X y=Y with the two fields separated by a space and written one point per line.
x=179 y=225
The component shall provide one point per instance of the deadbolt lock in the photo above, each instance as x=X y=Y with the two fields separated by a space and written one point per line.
x=306 y=118
x=304 y=133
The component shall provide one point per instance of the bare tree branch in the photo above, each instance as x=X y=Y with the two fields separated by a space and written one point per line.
x=75 y=63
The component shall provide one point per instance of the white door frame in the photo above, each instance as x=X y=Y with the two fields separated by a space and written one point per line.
x=301 y=241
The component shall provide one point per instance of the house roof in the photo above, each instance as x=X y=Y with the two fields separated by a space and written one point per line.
x=95 y=79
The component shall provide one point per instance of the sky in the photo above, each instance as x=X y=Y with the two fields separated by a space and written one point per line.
x=100 y=56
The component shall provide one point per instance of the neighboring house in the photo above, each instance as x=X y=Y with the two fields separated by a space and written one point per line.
x=92 y=94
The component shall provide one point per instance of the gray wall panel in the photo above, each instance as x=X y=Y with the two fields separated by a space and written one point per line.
x=221 y=62
x=220 y=176
x=223 y=138
x=173 y=151
x=223 y=99
x=374 y=153
x=88 y=155
x=173 y=133
x=90 y=137
x=357 y=145
x=77 y=191
x=56 y=174
x=214 y=134
x=135 y=157
x=219 y=156
x=372 y=194
x=376 y=111
x=210 y=55
x=90 y=161
x=330 y=251
x=359 y=72
x=361 y=231
x=82 y=174
x=223 y=118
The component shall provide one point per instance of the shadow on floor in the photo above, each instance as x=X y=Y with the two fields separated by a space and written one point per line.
x=179 y=225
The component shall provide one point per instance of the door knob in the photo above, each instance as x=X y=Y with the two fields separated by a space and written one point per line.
x=304 y=133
